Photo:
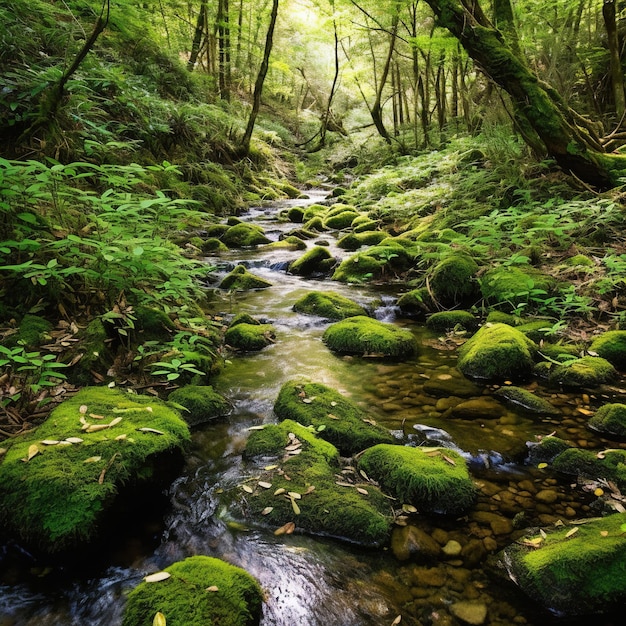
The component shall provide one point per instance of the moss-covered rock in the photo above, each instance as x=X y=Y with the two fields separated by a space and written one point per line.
x=417 y=302
x=546 y=450
x=200 y=403
x=314 y=210
x=612 y=347
x=535 y=330
x=308 y=493
x=240 y=278
x=610 y=464
x=386 y=259
x=288 y=243
x=448 y=320
x=243 y=318
x=559 y=351
x=59 y=481
x=364 y=335
x=434 y=480
x=500 y=317
x=354 y=241
x=452 y=280
x=244 y=235
x=337 y=419
x=317 y=260
x=526 y=400
x=93 y=352
x=588 y=371
x=363 y=224
x=153 y=324
x=296 y=215
x=250 y=337
x=314 y=225
x=200 y=591
x=32 y=332
x=212 y=245
x=610 y=419
x=573 y=570
x=328 y=304
x=339 y=221
x=495 y=352
x=509 y=286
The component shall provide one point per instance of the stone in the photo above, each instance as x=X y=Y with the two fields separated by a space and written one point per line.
x=411 y=542
x=610 y=419
x=612 y=347
x=470 y=612
x=480 y=408
x=547 y=496
x=526 y=400
x=588 y=371
x=452 y=548
x=460 y=387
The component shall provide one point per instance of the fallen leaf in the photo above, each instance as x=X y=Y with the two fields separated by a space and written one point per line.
x=332 y=417
x=74 y=440
x=542 y=465
x=269 y=468
x=50 y=442
x=295 y=507
x=598 y=492
x=83 y=408
x=604 y=533
x=264 y=484
x=571 y=532
x=94 y=428
x=448 y=459
x=307 y=400
x=247 y=488
x=256 y=427
x=294 y=494
x=365 y=492
x=409 y=508
x=333 y=403
x=152 y=430
x=287 y=529
x=115 y=422
x=33 y=450
x=362 y=472
x=157 y=577
x=267 y=510
x=396 y=621
x=96 y=417
x=309 y=489
x=121 y=437
x=159 y=620
x=212 y=588
x=280 y=491
x=93 y=459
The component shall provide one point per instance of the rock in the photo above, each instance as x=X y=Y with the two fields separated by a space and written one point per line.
x=458 y=387
x=473 y=553
x=513 y=284
x=290 y=242
x=335 y=417
x=341 y=220
x=364 y=335
x=431 y=479
x=184 y=598
x=610 y=419
x=448 y=320
x=547 y=496
x=241 y=279
x=496 y=352
x=55 y=496
x=470 y=612
x=546 y=450
x=430 y=576
x=244 y=235
x=587 y=371
x=452 y=280
x=612 y=347
x=200 y=403
x=573 y=570
x=610 y=465
x=526 y=400
x=386 y=258
x=328 y=304
x=479 y=408
x=452 y=548
x=250 y=337
x=410 y=542
x=317 y=260
x=417 y=302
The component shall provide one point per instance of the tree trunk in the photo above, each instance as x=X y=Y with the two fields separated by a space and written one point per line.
x=617 y=75
x=223 y=41
x=260 y=79
x=568 y=138
x=197 y=38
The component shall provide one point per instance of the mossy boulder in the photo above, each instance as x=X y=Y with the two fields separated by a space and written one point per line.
x=366 y=336
x=434 y=480
x=250 y=337
x=588 y=371
x=610 y=464
x=328 y=304
x=526 y=400
x=212 y=245
x=510 y=286
x=546 y=450
x=341 y=220
x=573 y=570
x=296 y=215
x=363 y=224
x=495 y=352
x=449 y=320
x=241 y=279
x=452 y=280
x=417 y=302
x=610 y=419
x=243 y=318
x=315 y=225
x=310 y=497
x=199 y=403
x=385 y=259
x=535 y=330
x=31 y=333
x=317 y=260
x=244 y=235
x=612 y=347
x=153 y=324
x=288 y=243
x=200 y=591
x=59 y=481
x=336 y=418
x=358 y=268
x=314 y=210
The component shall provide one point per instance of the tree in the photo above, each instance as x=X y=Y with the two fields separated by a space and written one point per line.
x=573 y=141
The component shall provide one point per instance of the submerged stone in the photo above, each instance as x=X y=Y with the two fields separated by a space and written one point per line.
x=303 y=488
x=241 y=279
x=477 y=408
x=526 y=400
x=610 y=419
x=250 y=337
x=434 y=480
x=317 y=260
x=574 y=570
x=588 y=371
x=364 y=335
x=470 y=612
x=199 y=591
x=336 y=418
x=58 y=481
x=200 y=403
x=612 y=347
x=496 y=352
x=411 y=542
x=328 y=304
x=459 y=387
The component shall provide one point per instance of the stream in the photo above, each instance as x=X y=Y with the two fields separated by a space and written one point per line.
x=323 y=582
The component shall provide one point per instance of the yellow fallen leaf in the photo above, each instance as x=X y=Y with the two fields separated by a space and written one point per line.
x=94 y=428
x=604 y=533
x=247 y=488
x=152 y=430
x=83 y=408
x=159 y=620
x=269 y=468
x=74 y=440
x=294 y=494
x=121 y=437
x=571 y=532
x=33 y=450
x=93 y=459
x=50 y=442
x=448 y=459
x=365 y=492
x=396 y=621
x=280 y=491
x=96 y=417
x=287 y=529
x=409 y=508
x=157 y=577
x=598 y=492
x=115 y=422
x=295 y=507
x=265 y=485
x=332 y=417
x=267 y=510
x=542 y=465
x=212 y=588
x=309 y=489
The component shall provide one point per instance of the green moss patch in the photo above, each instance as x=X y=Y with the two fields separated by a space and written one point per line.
x=200 y=403
x=200 y=591
x=32 y=332
x=250 y=337
x=303 y=488
x=588 y=371
x=525 y=400
x=364 y=335
x=449 y=320
x=510 y=286
x=386 y=259
x=434 y=480
x=336 y=418
x=574 y=569
x=496 y=352
x=76 y=462
x=612 y=347
x=288 y=243
x=240 y=278
x=317 y=260
x=244 y=235
x=416 y=302
x=610 y=465
x=341 y=220
x=328 y=304
x=153 y=324
x=452 y=280
x=610 y=419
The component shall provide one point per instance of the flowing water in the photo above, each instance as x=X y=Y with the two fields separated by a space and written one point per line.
x=321 y=582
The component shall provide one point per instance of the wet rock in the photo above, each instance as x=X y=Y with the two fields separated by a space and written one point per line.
x=250 y=337
x=452 y=548
x=417 y=302
x=547 y=496
x=244 y=235
x=546 y=450
x=452 y=280
x=460 y=387
x=480 y=408
x=499 y=525
x=512 y=284
x=328 y=304
x=448 y=320
x=587 y=371
x=527 y=400
x=317 y=260
x=610 y=419
x=610 y=464
x=201 y=402
x=410 y=542
x=387 y=257
x=430 y=577
x=241 y=279
x=470 y=612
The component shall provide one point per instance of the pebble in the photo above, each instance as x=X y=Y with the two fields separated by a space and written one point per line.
x=470 y=612
x=452 y=548
x=547 y=496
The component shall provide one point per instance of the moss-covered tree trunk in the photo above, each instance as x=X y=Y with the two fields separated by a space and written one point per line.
x=571 y=140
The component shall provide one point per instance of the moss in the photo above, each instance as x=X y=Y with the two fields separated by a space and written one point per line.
x=216 y=230
x=452 y=280
x=200 y=403
x=184 y=600
x=250 y=337
x=588 y=371
x=376 y=262
x=448 y=320
x=243 y=318
x=526 y=400
x=416 y=302
x=585 y=463
x=240 y=278
x=579 y=260
x=95 y=351
x=339 y=221
x=354 y=241
x=546 y=450
x=213 y=244
x=358 y=269
x=610 y=419
x=32 y=332
x=559 y=352
x=366 y=336
x=363 y=224
x=580 y=573
x=315 y=224
x=434 y=480
x=244 y=235
x=57 y=499
x=296 y=215
x=288 y=243
x=499 y=317
x=612 y=347
x=340 y=421
x=535 y=331
x=511 y=286
x=315 y=210
x=317 y=260
x=153 y=324
x=328 y=304
x=496 y=352
x=324 y=508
